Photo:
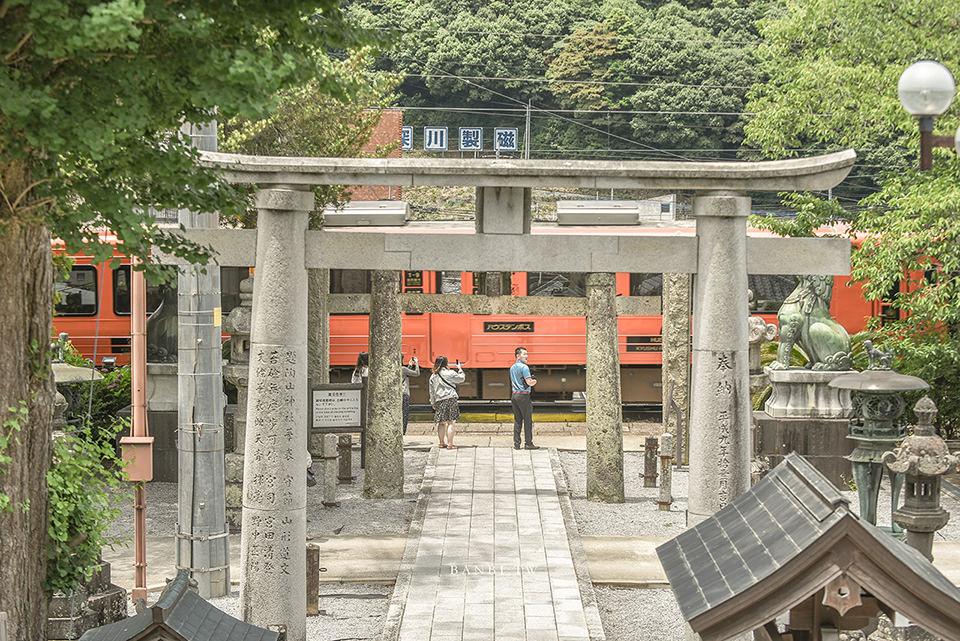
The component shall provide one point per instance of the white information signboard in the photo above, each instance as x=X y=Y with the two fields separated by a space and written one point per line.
x=336 y=407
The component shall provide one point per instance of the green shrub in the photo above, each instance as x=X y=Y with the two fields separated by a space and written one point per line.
x=84 y=474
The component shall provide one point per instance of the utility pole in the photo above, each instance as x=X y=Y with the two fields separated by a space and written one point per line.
x=526 y=135
x=202 y=543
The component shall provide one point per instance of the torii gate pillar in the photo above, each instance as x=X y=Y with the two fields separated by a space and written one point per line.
x=720 y=412
x=274 y=521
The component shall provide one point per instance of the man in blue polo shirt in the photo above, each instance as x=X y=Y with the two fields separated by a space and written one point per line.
x=522 y=382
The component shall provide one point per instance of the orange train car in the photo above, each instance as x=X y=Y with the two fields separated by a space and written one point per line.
x=94 y=309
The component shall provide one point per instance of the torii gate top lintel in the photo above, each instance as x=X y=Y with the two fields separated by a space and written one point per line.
x=796 y=174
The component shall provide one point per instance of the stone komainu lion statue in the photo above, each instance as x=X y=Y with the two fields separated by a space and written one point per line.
x=805 y=320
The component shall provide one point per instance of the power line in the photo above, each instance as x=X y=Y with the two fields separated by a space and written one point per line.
x=598 y=36
x=580 y=111
x=608 y=83
x=564 y=118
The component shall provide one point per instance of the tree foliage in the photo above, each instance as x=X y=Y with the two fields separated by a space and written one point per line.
x=310 y=121
x=833 y=68
x=666 y=58
x=92 y=95
x=91 y=92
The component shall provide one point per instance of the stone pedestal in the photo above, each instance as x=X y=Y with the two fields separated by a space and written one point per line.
x=604 y=431
x=162 y=419
x=802 y=393
x=94 y=603
x=805 y=416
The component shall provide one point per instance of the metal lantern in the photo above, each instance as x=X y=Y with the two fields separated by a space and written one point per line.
x=877 y=429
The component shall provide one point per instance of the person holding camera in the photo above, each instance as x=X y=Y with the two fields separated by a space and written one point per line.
x=444 y=397
x=521 y=384
x=406 y=372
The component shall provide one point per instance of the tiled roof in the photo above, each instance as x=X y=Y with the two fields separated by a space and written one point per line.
x=793 y=514
x=187 y=615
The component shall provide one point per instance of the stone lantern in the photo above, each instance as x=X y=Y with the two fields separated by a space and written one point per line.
x=237 y=324
x=877 y=429
x=923 y=457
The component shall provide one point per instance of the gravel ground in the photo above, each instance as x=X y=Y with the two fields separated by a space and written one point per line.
x=355 y=515
x=631 y=614
x=348 y=611
x=352 y=611
x=639 y=515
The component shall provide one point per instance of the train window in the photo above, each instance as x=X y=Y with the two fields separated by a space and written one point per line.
x=889 y=313
x=491 y=288
x=78 y=293
x=449 y=282
x=349 y=281
x=121 y=293
x=768 y=291
x=556 y=284
x=646 y=284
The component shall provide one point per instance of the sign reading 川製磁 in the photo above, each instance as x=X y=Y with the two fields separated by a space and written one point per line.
x=337 y=407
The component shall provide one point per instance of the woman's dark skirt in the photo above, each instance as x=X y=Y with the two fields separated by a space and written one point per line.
x=447 y=410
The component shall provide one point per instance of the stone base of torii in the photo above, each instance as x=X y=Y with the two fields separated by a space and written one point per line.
x=720 y=256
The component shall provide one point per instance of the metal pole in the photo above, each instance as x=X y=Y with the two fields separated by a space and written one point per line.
x=526 y=135
x=926 y=143
x=138 y=359
x=202 y=543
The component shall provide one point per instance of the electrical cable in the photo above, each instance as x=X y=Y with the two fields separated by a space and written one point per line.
x=558 y=117
x=606 y=83
x=484 y=32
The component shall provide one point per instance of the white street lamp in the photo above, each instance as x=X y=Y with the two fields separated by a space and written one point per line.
x=926 y=89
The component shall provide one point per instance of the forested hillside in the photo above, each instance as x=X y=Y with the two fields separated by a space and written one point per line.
x=612 y=79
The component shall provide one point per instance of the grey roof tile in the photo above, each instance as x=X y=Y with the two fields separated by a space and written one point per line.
x=188 y=615
x=747 y=541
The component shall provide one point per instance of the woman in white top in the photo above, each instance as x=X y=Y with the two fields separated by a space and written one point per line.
x=362 y=369
x=443 y=398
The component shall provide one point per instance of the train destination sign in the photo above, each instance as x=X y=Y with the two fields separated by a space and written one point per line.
x=644 y=343
x=499 y=327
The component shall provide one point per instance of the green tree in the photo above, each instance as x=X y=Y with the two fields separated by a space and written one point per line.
x=665 y=58
x=833 y=69
x=688 y=68
x=310 y=121
x=444 y=45
x=89 y=93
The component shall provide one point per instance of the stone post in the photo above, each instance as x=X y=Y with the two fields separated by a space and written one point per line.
x=313 y=579
x=272 y=544
x=345 y=444
x=383 y=474
x=318 y=338
x=604 y=435
x=666 y=472
x=720 y=407
x=330 y=470
x=676 y=355
x=650 y=447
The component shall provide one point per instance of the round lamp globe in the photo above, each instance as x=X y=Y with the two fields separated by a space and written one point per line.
x=926 y=88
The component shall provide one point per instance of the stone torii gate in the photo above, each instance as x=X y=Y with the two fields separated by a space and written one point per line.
x=720 y=255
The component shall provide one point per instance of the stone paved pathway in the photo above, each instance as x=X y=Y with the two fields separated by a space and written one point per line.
x=492 y=558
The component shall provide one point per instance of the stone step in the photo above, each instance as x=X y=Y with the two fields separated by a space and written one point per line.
x=71 y=628
x=98 y=582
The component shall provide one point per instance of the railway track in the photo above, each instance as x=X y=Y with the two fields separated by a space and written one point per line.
x=495 y=410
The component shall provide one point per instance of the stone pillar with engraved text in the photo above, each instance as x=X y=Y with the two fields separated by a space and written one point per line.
x=272 y=544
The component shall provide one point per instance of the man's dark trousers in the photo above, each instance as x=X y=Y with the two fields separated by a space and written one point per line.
x=522 y=415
